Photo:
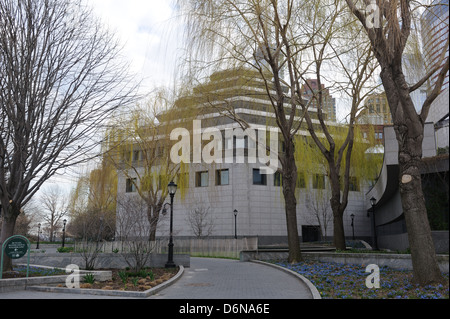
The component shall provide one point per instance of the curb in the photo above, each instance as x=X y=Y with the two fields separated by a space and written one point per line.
x=314 y=292
x=116 y=293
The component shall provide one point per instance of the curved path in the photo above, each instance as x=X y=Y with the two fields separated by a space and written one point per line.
x=210 y=278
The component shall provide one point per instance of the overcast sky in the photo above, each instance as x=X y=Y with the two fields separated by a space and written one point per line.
x=148 y=32
x=150 y=39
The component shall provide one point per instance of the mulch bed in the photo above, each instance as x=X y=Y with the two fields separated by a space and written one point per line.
x=129 y=281
x=122 y=279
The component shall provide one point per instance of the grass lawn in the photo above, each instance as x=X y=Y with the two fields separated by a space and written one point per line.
x=340 y=281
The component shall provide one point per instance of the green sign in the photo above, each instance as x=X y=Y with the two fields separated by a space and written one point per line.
x=16 y=248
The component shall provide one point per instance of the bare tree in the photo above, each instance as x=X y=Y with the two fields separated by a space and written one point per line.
x=90 y=245
x=133 y=229
x=388 y=31
x=319 y=210
x=94 y=195
x=61 y=76
x=55 y=208
x=200 y=220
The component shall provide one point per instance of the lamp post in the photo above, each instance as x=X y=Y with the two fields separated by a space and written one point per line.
x=373 y=202
x=353 y=226
x=39 y=231
x=172 y=190
x=64 y=232
x=235 y=223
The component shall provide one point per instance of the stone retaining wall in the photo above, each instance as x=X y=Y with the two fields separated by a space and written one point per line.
x=103 y=261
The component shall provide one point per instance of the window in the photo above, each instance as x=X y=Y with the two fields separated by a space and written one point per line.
x=228 y=143
x=241 y=142
x=301 y=182
x=319 y=181
x=201 y=179
x=378 y=135
x=131 y=185
x=222 y=177
x=258 y=178
x=136 y=156
x=353 y=184
x=277 y=179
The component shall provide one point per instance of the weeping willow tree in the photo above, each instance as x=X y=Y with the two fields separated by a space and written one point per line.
x=364 y=168
x=364 y=165
x=93 y=201
x=287 y=43
x=138 y=145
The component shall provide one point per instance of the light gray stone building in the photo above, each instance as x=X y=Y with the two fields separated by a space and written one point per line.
x=238 y=198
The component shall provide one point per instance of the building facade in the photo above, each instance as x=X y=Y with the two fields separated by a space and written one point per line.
x=242 y=194
x=434 y=24
x=310 y=91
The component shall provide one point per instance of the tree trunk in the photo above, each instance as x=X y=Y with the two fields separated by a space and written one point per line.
x=425 y=266
x=289 y=178
x=338 y=230
x=153 y=221
x=409 y=130
x=8 y=225
x=336 y=207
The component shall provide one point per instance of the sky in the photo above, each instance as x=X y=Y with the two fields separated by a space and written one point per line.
x=148 y=32
x=151 y=41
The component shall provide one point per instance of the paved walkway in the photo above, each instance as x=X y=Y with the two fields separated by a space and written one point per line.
x=209 y=278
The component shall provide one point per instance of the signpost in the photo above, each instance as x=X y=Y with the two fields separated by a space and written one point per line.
x=15 y=247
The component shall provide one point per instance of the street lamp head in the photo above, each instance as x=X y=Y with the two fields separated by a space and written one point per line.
x=235 y=212
x=373 y=201
x=164 y=209
x=352 y=216
x=64 y=221
x=172 y=188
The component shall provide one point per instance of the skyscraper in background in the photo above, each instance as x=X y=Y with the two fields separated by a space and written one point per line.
x=434 y=24
x=311 y=88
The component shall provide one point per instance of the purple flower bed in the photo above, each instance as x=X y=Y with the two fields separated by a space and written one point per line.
x=341 y=281
x=21 y=271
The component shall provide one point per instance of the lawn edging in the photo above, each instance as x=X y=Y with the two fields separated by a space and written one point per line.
x=314 y=292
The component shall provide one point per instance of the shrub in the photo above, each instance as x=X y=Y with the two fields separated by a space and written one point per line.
x=89 y=278
x=65 y=249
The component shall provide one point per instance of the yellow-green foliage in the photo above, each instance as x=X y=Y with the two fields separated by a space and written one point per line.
x=139 y=145
x=365 y=166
